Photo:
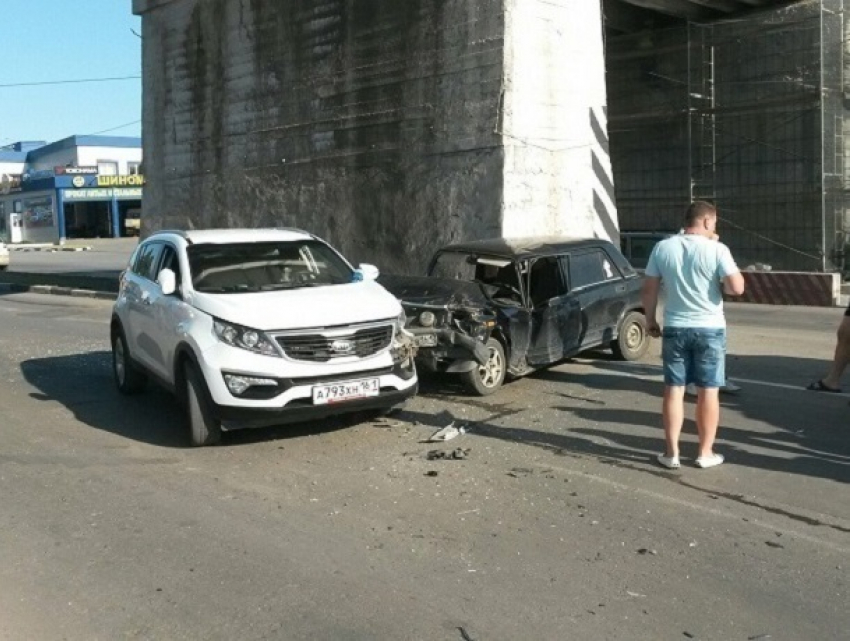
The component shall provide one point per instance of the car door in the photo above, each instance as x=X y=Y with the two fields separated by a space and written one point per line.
x=141 y=290
x=597 y=285
x=166 y=313
x=555 y=314
x=133 y=291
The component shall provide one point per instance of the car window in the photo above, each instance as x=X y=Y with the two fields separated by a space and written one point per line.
x=247 y=267
x=147 y=260
x=170 y=260
x=591 y=267
x=546 y=280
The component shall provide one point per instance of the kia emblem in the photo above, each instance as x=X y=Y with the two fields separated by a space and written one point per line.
x=342 y=346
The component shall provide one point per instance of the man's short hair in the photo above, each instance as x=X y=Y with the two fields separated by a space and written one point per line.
x=697 y=210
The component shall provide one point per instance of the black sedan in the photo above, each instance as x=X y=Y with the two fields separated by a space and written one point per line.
x=492 y=308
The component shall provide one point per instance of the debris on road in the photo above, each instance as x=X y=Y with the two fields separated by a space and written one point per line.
x=457 y=454
x=447 y=433
x=648 y=551
x=386 y=423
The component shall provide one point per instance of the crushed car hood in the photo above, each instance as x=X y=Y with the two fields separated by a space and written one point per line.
x=306 y=307
x=441 y=292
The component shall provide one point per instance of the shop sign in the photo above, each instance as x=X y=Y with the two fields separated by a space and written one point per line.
x=101 y=194
x=134 y=180
x=87 y=194
x=75 y=171
x=78 y=181
x=127 y=192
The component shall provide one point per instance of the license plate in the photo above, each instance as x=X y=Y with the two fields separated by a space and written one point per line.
x=426 y=340
x=345 y=391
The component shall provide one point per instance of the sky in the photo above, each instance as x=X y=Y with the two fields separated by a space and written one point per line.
x=50 y=41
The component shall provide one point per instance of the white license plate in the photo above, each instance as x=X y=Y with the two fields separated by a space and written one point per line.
x=345 y=391
x=426 y=340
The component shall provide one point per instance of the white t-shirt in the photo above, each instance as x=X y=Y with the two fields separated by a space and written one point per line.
x=692 y=269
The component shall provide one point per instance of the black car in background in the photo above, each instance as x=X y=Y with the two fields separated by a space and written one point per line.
x=499 y=307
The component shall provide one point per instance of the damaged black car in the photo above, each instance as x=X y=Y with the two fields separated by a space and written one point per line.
x=494 y=308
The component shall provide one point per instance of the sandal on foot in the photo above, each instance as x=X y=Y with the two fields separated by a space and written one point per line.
x=709 y=461
x=670 y=462
x=818 y=386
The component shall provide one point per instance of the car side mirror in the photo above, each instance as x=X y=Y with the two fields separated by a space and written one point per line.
x=167 y=282
x=370 y=272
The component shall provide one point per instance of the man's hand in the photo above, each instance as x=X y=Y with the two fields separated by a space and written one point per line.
x=653 y=328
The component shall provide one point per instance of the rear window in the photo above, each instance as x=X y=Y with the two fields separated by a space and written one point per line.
x=252 y=267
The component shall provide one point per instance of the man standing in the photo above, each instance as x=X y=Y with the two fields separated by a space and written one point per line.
x=695 y=269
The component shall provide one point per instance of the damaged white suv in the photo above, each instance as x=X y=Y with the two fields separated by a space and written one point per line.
x=258 y=327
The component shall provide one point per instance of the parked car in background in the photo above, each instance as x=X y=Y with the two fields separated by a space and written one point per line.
x=258 y=327
x=498 y=307
x=4 y=254
x=636 y=246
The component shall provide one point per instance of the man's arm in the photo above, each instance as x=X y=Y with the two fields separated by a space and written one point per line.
x=649 y=298
x=733 y=284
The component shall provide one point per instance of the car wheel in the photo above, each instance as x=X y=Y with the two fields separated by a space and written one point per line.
x=632 y=339
x=204 y=429
x=128 y=378
x=486 y=379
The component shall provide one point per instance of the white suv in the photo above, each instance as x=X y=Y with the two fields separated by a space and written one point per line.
x=258 y=327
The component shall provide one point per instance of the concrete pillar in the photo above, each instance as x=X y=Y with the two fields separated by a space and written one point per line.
x=558 y=177
x=390 y=128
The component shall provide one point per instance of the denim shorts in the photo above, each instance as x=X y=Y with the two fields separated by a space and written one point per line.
x=694 y=355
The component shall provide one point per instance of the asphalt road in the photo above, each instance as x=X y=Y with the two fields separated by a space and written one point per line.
x=557 y=524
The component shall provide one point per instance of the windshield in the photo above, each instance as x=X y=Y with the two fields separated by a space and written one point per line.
x=497 y=276
x=252 y=267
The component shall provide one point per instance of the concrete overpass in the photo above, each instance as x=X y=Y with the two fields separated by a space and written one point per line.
x=393 y=127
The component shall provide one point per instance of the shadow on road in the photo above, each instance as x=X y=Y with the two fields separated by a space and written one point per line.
x=795 y=431
x=83 y=383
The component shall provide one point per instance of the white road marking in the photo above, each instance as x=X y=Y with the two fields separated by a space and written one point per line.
x=735 y=379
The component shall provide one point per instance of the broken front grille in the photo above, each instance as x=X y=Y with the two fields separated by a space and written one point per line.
x=324 y=347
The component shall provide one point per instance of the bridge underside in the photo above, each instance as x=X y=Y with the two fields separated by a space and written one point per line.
x=634 y=15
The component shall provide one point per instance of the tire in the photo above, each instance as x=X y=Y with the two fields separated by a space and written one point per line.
x=632 y=339
x=486 y=379
x=129 y=379
x=204 y=429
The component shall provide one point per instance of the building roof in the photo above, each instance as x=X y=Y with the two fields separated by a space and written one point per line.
x=127 y=142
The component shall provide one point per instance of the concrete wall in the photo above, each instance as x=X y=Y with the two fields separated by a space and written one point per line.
x=370 y=123
x=388 y=127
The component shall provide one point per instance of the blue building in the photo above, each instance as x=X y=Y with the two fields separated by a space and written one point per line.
x=78 y=187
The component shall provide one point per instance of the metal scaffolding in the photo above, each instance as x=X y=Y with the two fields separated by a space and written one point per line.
x=748 y=113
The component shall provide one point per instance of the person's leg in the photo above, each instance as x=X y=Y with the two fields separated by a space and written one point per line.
x=710 y=376
x=673 y=355
x=708 y=418
x=673 y=416
x=842 y=356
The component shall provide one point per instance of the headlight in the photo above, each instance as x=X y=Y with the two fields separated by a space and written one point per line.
x=427 y=319
x=244 y=338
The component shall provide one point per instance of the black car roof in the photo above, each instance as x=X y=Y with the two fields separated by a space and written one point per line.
x=521 y=248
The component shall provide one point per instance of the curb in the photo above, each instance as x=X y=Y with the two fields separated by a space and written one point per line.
x=47 y=248
x=57 y=291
